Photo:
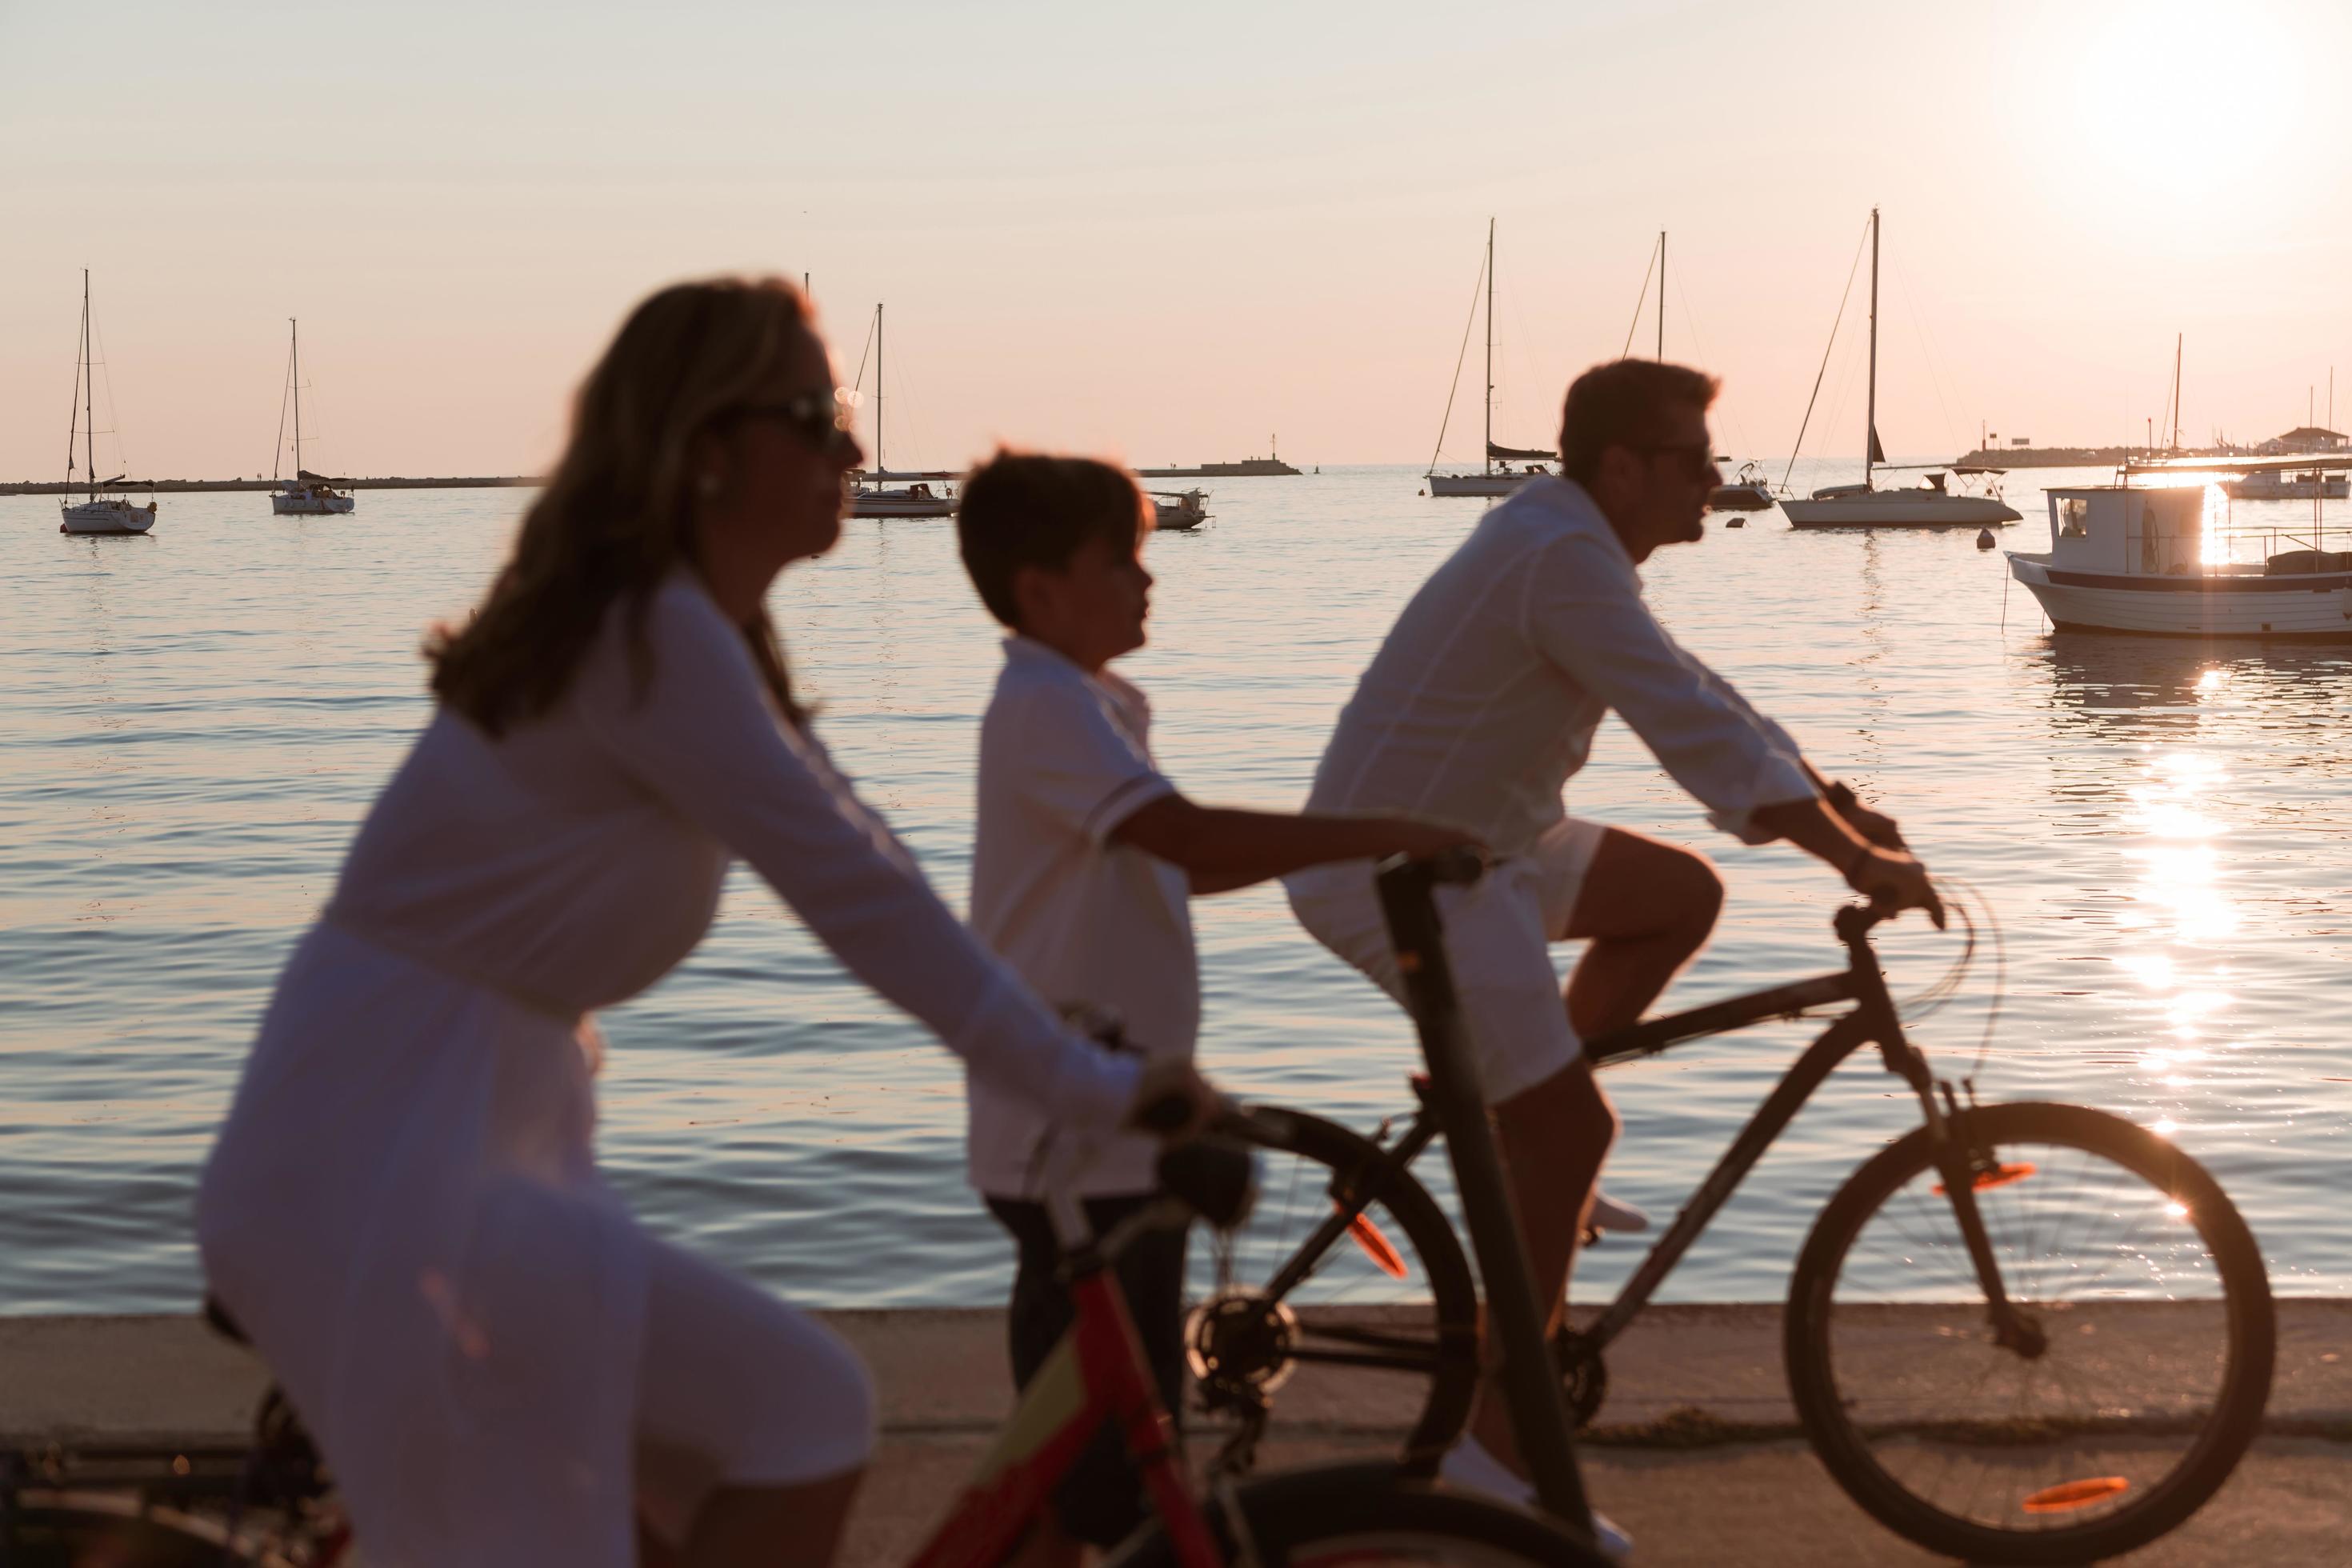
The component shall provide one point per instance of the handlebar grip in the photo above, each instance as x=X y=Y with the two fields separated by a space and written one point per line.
x=1458 y=867
x=1214 y=1177
x=1163 y=1114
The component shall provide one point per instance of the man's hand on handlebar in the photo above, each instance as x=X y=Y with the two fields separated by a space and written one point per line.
x=1893 y=880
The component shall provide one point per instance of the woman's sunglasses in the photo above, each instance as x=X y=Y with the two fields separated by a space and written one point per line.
x=820 y=419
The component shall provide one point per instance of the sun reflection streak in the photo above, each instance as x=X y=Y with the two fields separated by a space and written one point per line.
x=2179 y=908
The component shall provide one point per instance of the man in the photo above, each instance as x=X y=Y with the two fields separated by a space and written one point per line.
x=1477 y=710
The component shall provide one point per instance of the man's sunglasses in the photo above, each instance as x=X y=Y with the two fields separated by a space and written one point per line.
x=820 y=419
x=1698 y=457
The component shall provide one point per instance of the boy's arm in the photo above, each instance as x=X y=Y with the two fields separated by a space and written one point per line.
x=1220 y=849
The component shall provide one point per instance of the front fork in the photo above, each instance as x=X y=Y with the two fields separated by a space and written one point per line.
x=1963 y=1161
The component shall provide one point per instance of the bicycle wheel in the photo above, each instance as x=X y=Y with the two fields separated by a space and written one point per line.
x=2135 y=1275
x=1367 y=1516
x=79 y=1530
x=1296 y=1302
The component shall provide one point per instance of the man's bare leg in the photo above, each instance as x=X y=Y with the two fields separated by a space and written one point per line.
x=1553 y=1138
x=1646 y=908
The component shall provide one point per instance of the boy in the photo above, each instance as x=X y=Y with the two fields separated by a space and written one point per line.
x=1085 y=859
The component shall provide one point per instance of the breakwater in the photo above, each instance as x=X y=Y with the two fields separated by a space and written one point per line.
x=60 y=487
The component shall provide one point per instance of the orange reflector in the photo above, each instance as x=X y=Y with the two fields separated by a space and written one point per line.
x=1377 y=1247
x=1998 y=1177
x=2076 y=1494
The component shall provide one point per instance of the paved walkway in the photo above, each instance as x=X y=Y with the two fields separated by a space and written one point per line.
x=1763 y=1501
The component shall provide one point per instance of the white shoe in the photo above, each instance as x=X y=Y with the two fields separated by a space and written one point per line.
x=1469 y=1466
x=1608 y=1214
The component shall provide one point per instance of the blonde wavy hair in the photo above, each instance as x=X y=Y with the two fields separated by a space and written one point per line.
x=616 y=515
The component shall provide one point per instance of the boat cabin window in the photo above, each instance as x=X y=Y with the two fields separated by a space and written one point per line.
x=2073 y=514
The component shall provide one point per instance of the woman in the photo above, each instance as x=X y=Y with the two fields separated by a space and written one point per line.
x=404 y=1210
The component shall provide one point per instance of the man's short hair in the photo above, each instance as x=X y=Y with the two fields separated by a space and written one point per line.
x=1623 y=404
x=1027 y=509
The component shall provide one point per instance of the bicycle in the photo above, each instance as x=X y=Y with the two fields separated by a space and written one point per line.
x=1968 y=1342
x=274 y=1506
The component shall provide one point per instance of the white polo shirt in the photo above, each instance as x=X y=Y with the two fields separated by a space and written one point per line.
x=1483 y=700
x=1065 y=758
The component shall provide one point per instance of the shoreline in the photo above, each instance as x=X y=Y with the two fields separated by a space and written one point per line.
x=178 y=486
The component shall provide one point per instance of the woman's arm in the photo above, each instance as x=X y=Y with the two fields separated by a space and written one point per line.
x=702 y=738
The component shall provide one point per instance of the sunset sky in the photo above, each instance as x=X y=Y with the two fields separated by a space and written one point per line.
x=1168 y=233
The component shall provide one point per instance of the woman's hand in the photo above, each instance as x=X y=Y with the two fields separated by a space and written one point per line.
x=1174 y=1102
x=1875 y=825
x=1893 y=880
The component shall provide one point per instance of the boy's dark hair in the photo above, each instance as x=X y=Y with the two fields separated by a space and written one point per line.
x=1623 y=404
x=1027 y=509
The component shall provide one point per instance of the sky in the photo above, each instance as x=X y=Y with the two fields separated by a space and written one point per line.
x=1172 y=235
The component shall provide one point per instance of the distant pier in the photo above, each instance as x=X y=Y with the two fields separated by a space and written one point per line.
x=470 y=482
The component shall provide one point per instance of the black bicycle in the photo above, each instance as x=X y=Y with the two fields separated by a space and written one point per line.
x=2027 y=1333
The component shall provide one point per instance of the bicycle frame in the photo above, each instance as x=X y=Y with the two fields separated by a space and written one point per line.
x=1098 y=1371
x=1872 y=1021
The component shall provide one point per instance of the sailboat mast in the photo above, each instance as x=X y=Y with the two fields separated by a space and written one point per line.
x=296 y=328
x=880 y=468
x=1870 y=418
x=88 y=420
x=2176 y=390
x=1486 y=463
x=1662 y=294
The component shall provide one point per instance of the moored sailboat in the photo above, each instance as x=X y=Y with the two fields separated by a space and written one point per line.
x=305 y=494
x=1495 y=477
x=95 y=512
x=870 y=497
x=1928 y=505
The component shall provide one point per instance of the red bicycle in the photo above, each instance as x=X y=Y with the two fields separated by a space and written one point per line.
x=274 y=1506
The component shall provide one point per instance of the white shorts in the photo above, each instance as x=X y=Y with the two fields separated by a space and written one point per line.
x=1498 y=937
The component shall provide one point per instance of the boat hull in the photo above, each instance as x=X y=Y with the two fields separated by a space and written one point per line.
x=304 y=504
x=1476 y=484
x=897 y=505
x=2306 y=606
x=1739 y=497
x=105 y=517
x=2332 y=487
x=1899 y=509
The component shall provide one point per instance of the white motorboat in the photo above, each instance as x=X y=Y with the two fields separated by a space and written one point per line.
x=1976 y=503
x=872 y=496
x=1178 y=509
x=94 y=513
x=1495 y=475
x=1749 y=491
x=305 y=494
x=2156 y=560
x=2313 y=486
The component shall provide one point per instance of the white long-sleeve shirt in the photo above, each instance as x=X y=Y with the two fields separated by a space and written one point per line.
x=578 y=858
x=1483 y=702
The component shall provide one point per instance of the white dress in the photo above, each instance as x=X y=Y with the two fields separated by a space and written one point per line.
x=404 y=1210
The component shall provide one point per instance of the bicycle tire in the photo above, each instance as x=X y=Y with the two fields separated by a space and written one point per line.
x=48 y=1528
x=2097 y=1329
x=1366 y=1516
x=1279 y=1236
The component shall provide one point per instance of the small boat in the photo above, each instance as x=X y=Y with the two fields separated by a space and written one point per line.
x=95 y=513
x=872 y=497
x=2312 y=486
x=2142 y=558
x=1928 y=505
x=305 y=494
x=1748 y=491
x=1495 y=477
x=1178 y=509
